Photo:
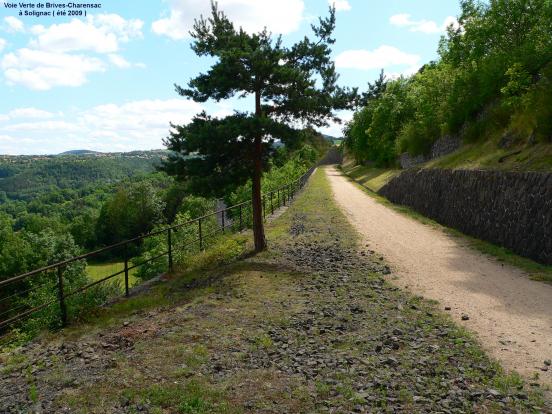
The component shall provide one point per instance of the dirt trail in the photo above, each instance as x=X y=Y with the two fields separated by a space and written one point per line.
x=511 y=314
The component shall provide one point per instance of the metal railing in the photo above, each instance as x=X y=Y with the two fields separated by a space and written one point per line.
x=233 y=218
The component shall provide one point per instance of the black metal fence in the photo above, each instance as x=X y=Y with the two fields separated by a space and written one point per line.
x=191 y=236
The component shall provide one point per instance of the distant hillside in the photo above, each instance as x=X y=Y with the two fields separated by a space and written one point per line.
x=332 y=139
x=26 y=176
x=80 y=152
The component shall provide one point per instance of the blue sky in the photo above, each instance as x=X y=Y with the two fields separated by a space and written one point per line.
x=105 y=81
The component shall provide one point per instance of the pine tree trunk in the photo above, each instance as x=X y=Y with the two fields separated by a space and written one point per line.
x=258 y=226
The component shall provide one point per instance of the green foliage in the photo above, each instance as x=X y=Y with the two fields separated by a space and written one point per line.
x=83 y=229
x=32 y=240
x=50 y=248
x=54 y=216
x=519 y=82
x=185 y=243
x=134 y=210
x=535 y=113
x=66 y=193
x=14 y=249
x=59 y=178
x=494 y=74
x=194 y=206
x=296 y=164
x=184 y=238
x=372 y=133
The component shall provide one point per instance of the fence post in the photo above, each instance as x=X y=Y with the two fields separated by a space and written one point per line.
x=200 y=236
x=284 y=195
x=61 y=297
x=278 y=198
x=169 y=242
x=271 y=203
x=264 y=208
x=241 y=218
x=126 y=271
x=222 y=220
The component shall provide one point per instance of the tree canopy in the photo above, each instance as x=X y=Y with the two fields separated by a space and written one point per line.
x=292 y=86
x=494 y=75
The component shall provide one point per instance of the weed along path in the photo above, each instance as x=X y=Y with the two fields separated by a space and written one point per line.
x=511 y=314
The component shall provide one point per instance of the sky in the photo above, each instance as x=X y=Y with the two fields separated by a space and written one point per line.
x=105 y=81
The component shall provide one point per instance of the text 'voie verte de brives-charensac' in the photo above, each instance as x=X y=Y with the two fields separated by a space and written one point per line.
x=51 y=9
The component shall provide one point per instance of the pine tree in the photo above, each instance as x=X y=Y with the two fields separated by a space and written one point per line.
x=291 y=86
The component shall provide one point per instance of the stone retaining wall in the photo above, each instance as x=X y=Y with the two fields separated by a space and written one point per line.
x=509 y=209
x=443 y=146
x=408 y=161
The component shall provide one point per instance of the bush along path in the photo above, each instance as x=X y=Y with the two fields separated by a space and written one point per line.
x=310 y=326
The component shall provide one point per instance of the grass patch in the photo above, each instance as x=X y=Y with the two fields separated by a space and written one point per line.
x=225 y=250
x=487 y=155
x=369 y=177
x=263 y=341
x=191 y=398
x=323 y=213
x=12 y=363
x=99 y=270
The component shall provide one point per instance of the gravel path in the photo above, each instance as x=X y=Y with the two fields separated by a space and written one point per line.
x=511 y=314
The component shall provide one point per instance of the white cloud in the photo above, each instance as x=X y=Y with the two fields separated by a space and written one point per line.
x=119 y=61
x=122 y=63
x=29 y=113
x=424 y=26
x=39 y=70
x=381 y=58
x=340 y=5
x=279 y=16
x=7 y=144
x=42 y=126
x=2 y=44
x=140 y=117
x=55 y=56
x=110 y=127
x=37 y=29
x=14 y=24
x=125 y=30
x=75 y=36
x=100 y=34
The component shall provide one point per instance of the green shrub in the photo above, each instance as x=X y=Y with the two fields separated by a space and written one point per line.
x=52 y=248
